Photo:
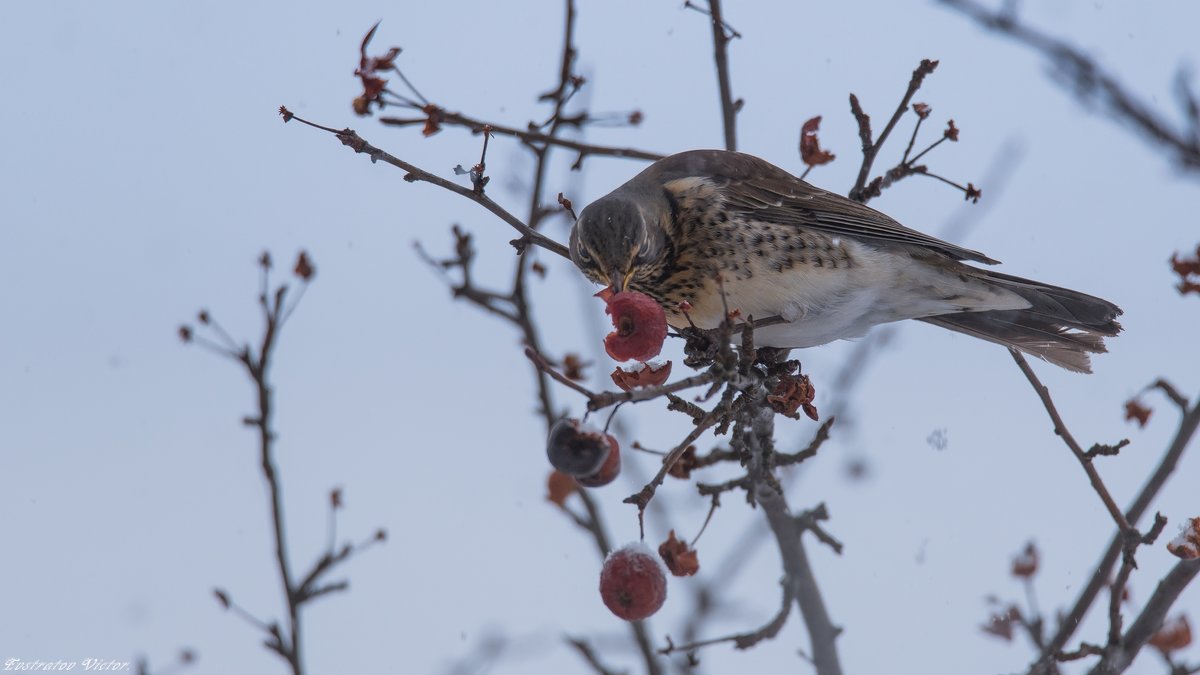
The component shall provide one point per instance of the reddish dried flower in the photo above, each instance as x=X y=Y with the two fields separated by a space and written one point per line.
x=203 y=317
x=1025 y=565
x=564 y=202
x=973 y=194
x=433 y=120
x=632 y=583
x=264 y=260
x=1175 y=634
x=643 y=375
x=608 y=471
x=810 y=147
x=1135 y=411
x=951 y=132
x=1186 y=544
x=572 y=367
x=641 y=327
x=559 y=486
x=635 y=118
x=1185 y=267
x=682 y=468
x=680 y=559
x=185 y=333
x=922 y=110
x=1001 y=625
x=335 y=498
x=304 y=267
x=286 y=114
x=793 y=393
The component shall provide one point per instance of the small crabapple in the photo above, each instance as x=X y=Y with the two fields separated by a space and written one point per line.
x=632 y=583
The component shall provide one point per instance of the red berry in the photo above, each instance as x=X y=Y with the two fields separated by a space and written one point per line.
x=632 y=583
x=576 y=450
x=641 y=327
x=608 y=471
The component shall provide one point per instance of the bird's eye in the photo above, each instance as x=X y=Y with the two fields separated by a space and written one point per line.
x=583 y=256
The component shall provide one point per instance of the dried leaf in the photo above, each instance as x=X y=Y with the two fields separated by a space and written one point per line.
x=559 y=486
x=810 y=146
x=643 y=375
x=1135 y=411
x=1175 y=634
x=680 y=560
x=1186 y=544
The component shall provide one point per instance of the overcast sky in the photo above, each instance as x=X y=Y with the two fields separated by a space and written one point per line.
x=144 y=168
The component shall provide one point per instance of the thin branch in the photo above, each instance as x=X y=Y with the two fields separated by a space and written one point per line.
x=870 y=149
x=350 y=138
x=744 y=640
x=1103 y=570
x=1090 y=82
x=1060 y=428
x=729 y=108
x=1150 y=619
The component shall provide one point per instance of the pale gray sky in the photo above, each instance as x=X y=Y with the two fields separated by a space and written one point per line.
x=144 y=169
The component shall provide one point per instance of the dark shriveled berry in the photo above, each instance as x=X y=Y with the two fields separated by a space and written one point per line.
x=608 y=471
x=576 y=450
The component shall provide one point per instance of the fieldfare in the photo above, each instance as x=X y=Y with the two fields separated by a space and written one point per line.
x=701 y=224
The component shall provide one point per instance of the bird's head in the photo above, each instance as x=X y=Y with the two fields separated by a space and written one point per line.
x=621 y=242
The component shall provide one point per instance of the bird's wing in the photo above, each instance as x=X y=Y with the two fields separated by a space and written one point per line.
x=758 y=189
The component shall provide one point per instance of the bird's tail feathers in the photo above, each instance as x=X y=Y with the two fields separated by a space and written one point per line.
x=1061 y=326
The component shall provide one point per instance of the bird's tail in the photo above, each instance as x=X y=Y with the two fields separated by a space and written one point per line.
x=1061 y=326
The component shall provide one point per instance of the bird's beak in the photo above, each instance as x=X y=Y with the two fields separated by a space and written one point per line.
x=618 y=281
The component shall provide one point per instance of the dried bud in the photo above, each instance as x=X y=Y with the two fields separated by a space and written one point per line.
x=1001 y=625
x=304 y=268
x=185 y=333
x=922 y=110
x=951 y=132
x=264 y=260
x=222 y=597
x=973 y=194
x=381 y=534
x=286 y=114
x=335 y=498
x=641 y=327
x=635 y=118
x=1025 y=565
x=680 y=560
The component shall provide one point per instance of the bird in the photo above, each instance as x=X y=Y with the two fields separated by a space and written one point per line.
x=706 y=233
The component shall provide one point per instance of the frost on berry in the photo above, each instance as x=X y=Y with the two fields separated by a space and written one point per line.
x=641 y=326
x=641 y=374
x=679 y=558
x=608 y=471
x=1187 y=544
x=632 y=583
x=575 y=449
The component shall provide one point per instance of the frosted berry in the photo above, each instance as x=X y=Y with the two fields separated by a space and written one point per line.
x=576 y=450
x=632 y=583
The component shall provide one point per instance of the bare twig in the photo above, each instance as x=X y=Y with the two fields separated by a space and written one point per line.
x=729 y=108
x=350 y=138
x=1090 y=82
x=870 y=148
x=1061 y=430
